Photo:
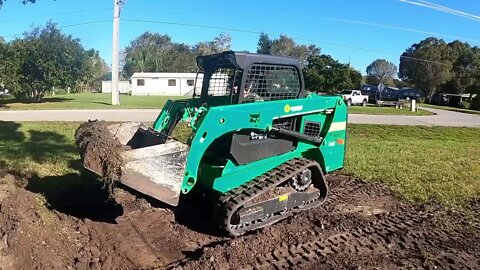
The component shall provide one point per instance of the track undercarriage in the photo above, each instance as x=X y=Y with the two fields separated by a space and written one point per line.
x=292 y=187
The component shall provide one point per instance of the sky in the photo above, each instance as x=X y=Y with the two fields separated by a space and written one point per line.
x=352 y=31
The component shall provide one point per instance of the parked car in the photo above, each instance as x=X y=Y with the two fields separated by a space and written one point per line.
x=354 y=97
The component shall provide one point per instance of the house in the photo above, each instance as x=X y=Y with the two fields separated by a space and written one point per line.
x=164 y=83
x=453 y=100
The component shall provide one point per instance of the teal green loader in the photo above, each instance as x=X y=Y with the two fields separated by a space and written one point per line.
x=258 y=145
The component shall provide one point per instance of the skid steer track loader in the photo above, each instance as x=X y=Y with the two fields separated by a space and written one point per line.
x=259 y=145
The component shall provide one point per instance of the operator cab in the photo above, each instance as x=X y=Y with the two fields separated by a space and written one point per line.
x=235 y=78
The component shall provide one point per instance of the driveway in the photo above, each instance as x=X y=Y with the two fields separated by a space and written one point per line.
x=442 y=117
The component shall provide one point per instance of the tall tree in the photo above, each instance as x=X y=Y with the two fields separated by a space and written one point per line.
x=219 y=44
x=381 y=71
x=153 y=52
x=264 y=45
x=96 y=69
x=286 y=46
x=465 y=61
x=426 y=65
x=325 y=74
x=45 y=58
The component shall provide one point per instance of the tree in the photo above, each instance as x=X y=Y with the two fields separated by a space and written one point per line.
x=465 y=61
x=381 y=71
x=426 y=65
x=286 y=46
x=219 y=44
x=264 y=45
x=153 y=52
x=43 y=59
x=96 y=69
x=324 y=74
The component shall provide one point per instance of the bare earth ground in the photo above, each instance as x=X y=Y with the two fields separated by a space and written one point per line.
x=361 y=226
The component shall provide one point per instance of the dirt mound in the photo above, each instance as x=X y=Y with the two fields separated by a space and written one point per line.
x=34 y=236
x=100 y=151
x=360 y=226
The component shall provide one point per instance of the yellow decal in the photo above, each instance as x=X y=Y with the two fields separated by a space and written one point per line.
x=283 y=197
x=338 y=126
x=287 y=108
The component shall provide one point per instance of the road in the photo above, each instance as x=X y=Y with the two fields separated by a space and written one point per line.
x=442 y=117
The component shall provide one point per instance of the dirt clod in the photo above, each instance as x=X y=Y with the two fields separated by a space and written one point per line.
x=100 y=151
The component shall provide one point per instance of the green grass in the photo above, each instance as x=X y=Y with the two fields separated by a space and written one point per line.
x=87 y=101
x=385 y=111
x=447 y=108
x=41 y=148
x=419 y=163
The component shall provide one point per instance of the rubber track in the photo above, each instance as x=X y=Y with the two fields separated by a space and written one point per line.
x=374 y=237
x=234 y=199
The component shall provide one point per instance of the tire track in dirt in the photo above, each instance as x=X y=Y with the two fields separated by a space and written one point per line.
x=360 y=226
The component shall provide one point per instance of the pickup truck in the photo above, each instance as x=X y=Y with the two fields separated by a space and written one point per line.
x=352 y=97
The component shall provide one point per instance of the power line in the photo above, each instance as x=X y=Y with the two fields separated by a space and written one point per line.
x=55 y=14
x=296 y=38
x=394 y=27
x=66 y=26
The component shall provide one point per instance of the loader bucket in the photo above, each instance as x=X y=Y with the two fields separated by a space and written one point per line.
x=151 y=165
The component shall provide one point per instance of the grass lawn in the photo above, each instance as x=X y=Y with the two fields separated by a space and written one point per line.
x=385 y=111
x=449 y=108
x=417 y=162
x=87 y=101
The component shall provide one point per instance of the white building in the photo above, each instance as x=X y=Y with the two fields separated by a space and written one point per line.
x=123 y=87
x=169 y=84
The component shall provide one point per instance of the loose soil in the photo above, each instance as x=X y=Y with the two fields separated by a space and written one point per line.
x=100 y=151
x=361 y=225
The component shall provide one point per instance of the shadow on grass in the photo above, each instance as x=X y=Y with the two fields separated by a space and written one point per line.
x=40 y=146
x=81 y=196
x=4 y=102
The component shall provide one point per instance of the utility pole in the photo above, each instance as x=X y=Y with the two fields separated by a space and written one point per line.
x=115 y=62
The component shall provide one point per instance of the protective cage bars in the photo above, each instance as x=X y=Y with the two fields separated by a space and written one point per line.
x=220 y=82
x=270 y=82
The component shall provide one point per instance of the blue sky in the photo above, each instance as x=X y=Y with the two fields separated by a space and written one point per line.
x=327 y=23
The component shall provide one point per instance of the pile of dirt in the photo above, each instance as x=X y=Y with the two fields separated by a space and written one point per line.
x=361 y=225
x=100 y=151
x=34 y=236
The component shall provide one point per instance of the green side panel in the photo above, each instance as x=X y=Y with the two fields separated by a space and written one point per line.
x=216 y=121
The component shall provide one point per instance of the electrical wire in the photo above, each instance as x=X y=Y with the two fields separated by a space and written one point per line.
x=295 y=38
x=55 y=14
x=66 y=26
x=394 y=27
